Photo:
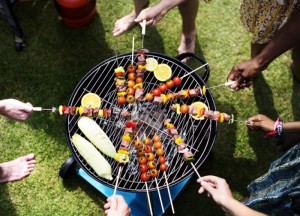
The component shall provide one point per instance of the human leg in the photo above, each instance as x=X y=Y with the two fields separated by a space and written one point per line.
x=127 y=22
x=296 y=62
x=188 y=11
x=17 y=169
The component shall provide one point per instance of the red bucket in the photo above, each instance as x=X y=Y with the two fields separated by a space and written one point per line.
x=76 y=13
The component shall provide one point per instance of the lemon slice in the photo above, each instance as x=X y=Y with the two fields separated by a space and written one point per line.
x=199 y=106
x=91 y=100
x=163 y=72
x=151 y=64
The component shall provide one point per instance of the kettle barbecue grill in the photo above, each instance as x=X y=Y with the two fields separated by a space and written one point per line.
x=199 y=135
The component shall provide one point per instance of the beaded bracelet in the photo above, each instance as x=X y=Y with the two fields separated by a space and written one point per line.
x=278 y=129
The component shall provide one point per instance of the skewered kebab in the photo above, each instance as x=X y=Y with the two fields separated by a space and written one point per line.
x=182 y=148
x=200 y=111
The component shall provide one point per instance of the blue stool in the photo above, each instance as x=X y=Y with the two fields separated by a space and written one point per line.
x=137 y=201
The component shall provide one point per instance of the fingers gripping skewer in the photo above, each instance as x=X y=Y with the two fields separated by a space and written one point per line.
x=148 y=198
x=117 y=181
x=169 y=193
x=160 y=199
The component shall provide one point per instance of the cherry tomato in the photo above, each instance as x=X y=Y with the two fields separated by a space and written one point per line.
x=150 y=156
x=163 y=88
x=138 y=144
x=130 y=99
x=131 y=68
x=151 y=164
x=184 y=108
x=147 y=141
x=148 y=149
x=156 y=138
x=140 y=152
x=153 y=173
x=149 y=97
x=160 y=152
x=139 y=80
x=177 y=80
x=130 y=91
x=163 y=167
x=156 y=92
x=157 y=144
x=131 y=76
x=170 y=84
x=161 y=159
x=170 y=96
x=143 y=168
x=142 y=160
x=121 y=100
x=130 y=83
x=145 y=176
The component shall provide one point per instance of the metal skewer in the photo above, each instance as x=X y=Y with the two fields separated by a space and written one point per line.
x=247 y=122
x=117 y=181
x=143 y=32
x=132 y=52
x=148 y=198
x=194 y=70
x=196 y=171
x=223 y=84
x=169 y=193
x=160 y=199
x=53 y=109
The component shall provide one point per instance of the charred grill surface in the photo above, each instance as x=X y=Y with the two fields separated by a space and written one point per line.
x=198 y=135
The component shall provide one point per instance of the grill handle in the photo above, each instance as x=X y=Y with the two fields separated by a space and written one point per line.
x=182 y=56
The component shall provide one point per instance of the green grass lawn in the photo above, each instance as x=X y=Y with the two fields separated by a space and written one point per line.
x=46 y=72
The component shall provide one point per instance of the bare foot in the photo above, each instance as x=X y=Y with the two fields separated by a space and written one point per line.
x=187 y=42
x=17 y=169
x=124 y=24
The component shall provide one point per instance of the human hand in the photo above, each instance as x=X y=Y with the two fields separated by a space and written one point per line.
x=152 y=15
x=261 y=122
x=218 y=189
x=116 y=206
x=15 y=109
x=243 y=73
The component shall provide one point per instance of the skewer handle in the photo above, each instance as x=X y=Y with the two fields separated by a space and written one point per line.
x=148 y=198
x=37 y=109
x=144 y=27
x=117 y=181
x=132 y=50
x=229 y=83
x=196 y=171
x=169 y=193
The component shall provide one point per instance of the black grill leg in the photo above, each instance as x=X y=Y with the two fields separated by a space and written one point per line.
x=68 y=168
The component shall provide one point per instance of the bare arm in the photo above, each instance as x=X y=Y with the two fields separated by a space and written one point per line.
x=286 y=38
x=262 y=122
x=15 y=109
x=219 y=190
